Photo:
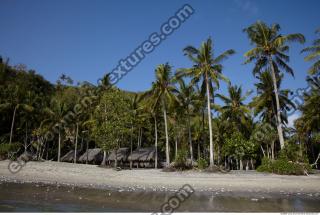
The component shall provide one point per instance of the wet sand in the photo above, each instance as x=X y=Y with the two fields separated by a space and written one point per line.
x=91 y=176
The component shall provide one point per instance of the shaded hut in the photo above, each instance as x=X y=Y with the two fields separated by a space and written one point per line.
x=93 y=156
x=69 y=157
x=143 y=157
x=121 y=156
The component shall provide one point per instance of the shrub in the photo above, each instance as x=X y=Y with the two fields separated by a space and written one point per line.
x=180 y=161
x=283 y=166
x=5 y=148
x=202 y=163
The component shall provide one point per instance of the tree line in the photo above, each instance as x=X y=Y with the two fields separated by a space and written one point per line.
x=178 y=115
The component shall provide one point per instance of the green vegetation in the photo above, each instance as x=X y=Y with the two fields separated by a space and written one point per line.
x=283 y=166
x=178 y=115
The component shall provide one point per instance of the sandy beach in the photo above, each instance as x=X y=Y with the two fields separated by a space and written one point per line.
x=83 y=175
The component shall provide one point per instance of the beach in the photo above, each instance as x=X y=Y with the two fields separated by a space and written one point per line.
x=91 y=176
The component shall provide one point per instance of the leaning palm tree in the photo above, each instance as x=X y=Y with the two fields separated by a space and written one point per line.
x=270 y=53
x=314 y=55
x=163 y=93
x=208 y=69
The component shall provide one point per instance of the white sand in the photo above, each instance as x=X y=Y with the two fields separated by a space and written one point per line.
x=151 y=179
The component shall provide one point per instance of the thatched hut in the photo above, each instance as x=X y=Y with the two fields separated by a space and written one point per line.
x=143 y=157
x=69 y=157
x=121 y=156
x=93 y=156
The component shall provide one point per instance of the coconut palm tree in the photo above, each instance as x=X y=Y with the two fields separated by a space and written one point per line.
x=57 y=111
x=187 y=98
x=270 y=52
x=264 y=104
x=15 y=103
x=314 y=55
x=150 y=105
x=208 y=69
x=163 y=92
x=234 y=110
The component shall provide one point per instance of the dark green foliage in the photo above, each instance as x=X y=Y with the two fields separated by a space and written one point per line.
x=202 y=163
x=5 y=148
x=283 y=166
x=180 y=161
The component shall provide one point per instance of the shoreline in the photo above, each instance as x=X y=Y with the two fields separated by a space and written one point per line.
x=240 y=183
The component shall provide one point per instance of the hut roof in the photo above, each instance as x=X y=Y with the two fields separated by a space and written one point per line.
x=92 y=154
x=69 y=156
x=122 y=154
x=143 y=154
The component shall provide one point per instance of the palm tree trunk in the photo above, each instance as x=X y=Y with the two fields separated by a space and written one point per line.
x=76 y=145
x=131 y=136
x=199 y=153
x=272 y=150
x=87 y=151
x=156 y=143
x=190 y=139
x=12 y=124
x=140 y=138
x=176 y=147
x=167 y=137
x=59 y=146
x=279 y=124
x=116 y=160
x=26 y=139
x=209 y=120
x=138 y=144
x=104 y=158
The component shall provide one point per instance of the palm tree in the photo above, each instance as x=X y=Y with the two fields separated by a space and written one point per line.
x=187 y=98
x=209 y=70
x=308 y=125
x=234 y=109
x=314 y=55
x=270 y=53
x=265 y=102
x=151 y=107
x=163 y=92
x=15 y=103
x=58 y=111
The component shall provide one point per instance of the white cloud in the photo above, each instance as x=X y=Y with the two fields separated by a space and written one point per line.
x=292 y=118
x=247 y=6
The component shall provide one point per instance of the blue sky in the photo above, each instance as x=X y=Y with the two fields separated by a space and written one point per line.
x=85 y=39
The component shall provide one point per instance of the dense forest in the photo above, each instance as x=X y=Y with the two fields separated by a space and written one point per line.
x=179 y=115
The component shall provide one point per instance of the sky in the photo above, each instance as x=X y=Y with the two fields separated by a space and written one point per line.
x=85 y=39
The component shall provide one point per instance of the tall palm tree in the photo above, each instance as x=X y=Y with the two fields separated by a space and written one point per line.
x=57 y=112
x=150 y=105
x=264 y=104
x=15 y=103
x=187 y=98
x=270 y=52
x=308 y=125
x=208 y=69
x=163 y=92
x=314 y=55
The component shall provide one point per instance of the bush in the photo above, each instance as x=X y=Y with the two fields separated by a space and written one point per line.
x=5 y=148
x=283 y=166
x=180 y=161
x=202 y=163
